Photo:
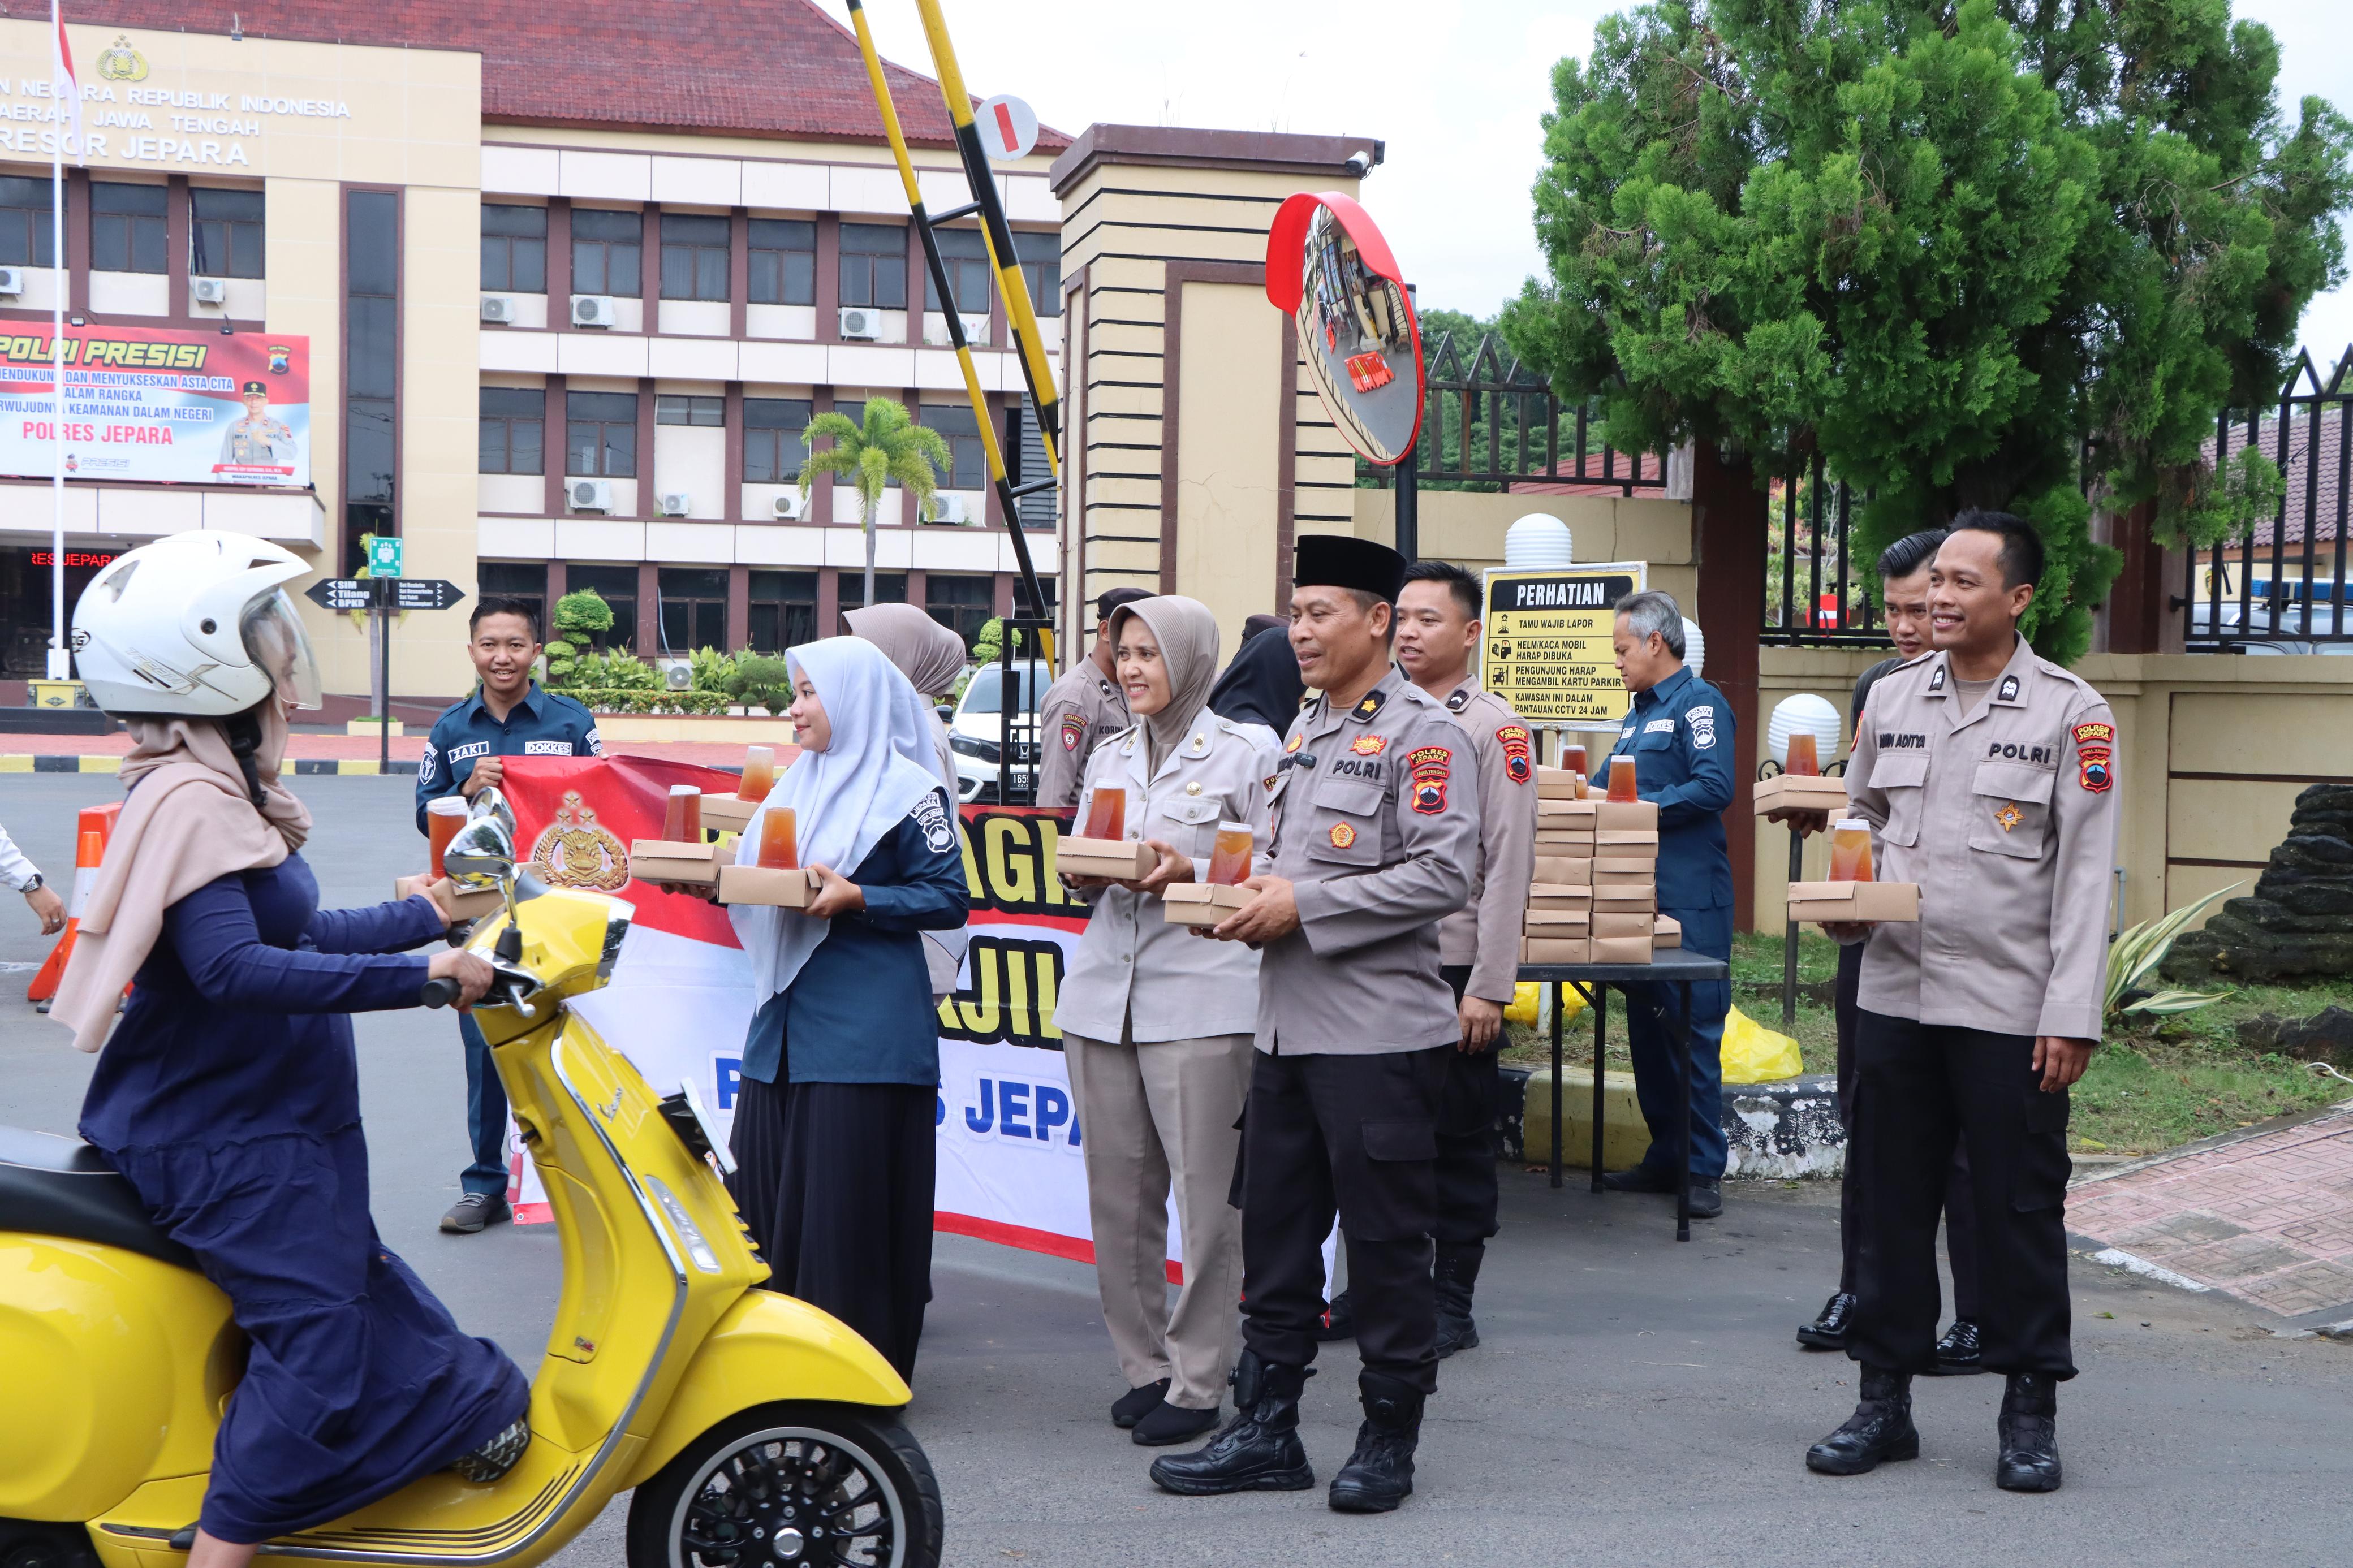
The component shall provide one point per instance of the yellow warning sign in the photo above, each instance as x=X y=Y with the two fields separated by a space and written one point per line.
x=1547 y=648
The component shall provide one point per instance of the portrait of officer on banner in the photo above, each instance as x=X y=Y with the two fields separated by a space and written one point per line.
x=257 y=440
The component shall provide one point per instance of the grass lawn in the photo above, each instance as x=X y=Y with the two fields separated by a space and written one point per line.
x=2154 y=1083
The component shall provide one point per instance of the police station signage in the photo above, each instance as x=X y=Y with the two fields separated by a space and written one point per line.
x=126 y=119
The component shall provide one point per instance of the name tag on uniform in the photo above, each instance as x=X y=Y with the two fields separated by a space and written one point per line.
x=1660 y=726
x=470 y=749
x=547 y=748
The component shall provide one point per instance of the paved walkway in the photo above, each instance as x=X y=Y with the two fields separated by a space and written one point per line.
x=2265 y=1216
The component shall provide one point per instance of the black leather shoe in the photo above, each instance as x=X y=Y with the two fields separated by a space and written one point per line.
x=1457 y=1277
x=1641 y=1179
x=2029 y=1435
x=1173 y=1424
x=1259 y=1450
x=1339 y=1319
x=1880 y=1430
x=1706 y=1199
x=1137 y=1403
x=1379 y=1475
x=1958 y=1353
x=1828 y=1333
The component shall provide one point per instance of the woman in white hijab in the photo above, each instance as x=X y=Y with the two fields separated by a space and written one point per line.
x=1157 y=1025
x=833 y=1137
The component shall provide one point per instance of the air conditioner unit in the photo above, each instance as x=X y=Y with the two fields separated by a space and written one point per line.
x=791 y=507
x=948 y=508
x=499 y=308
x=592 y=310
x=208 y=290
x=862 y=323
x=12 y=282
x=678 y=674
x=676 y=503
x=591 y=495
x=976 y=330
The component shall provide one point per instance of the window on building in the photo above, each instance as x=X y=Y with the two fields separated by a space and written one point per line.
x=874 y=265
x=25 y=221
x=514 y=249
x=514 y=421
x=890 y=588
x=524 y=580
x=773 y=451
x=618 y=586
x=783 y=610
x=956 y=426
x=964 y=256
x=693 y=608
x=371 y=364
x=600 y=435
x=682 y=409
x=606 y=249
x=225 y=237
x=127 y=227
x=1041 y=268
x=693 y=256
x=960 y=603
x=784 y=261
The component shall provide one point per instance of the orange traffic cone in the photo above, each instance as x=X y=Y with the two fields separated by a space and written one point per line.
x=96 y=824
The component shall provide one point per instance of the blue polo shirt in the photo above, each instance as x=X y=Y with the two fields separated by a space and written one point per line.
x=1681 y=737
x=540 y=724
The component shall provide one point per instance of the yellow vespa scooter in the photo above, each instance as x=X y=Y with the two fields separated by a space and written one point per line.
x=758 y=1431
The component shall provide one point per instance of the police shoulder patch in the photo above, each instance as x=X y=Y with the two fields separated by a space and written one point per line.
x=1518 y=766
x=2093 y=731
x=939 y=834
x=1432 y=767
x=1074 y=730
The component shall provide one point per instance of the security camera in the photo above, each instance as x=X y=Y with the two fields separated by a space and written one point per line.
x=1360 y=164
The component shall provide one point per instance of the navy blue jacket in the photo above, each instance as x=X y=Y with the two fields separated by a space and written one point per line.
x=861 y=1009
x=1681 y=737
x=540 y=724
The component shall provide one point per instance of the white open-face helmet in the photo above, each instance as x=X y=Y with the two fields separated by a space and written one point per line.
x=195 y=624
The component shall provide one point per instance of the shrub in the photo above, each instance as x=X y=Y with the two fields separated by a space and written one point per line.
x=761 y=680
x=580 y=618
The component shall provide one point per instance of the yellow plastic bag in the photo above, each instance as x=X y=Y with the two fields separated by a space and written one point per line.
x=1526 y=1006
x=1754 y=1054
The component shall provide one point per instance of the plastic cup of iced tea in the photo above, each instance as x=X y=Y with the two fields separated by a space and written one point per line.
x=1106 y=814
x=1851 y=851
x=1573 y=759
x=779 y=851
x=1229 y=858
x=443 y=817
x=1802 y=758
x=759 y=773
x=1621 y=779
x=682 y=817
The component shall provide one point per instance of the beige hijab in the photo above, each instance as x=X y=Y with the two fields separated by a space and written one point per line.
x=929 y=654
x=188 y=822
x=1187 y=635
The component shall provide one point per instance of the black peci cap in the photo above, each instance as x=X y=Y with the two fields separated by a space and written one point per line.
x=1110 y=599
x=1343 y=560
x=253 y=386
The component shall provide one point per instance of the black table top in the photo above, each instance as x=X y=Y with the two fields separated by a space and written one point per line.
x=1675 y=966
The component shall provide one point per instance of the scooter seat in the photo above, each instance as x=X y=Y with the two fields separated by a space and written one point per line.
x=63 y=1186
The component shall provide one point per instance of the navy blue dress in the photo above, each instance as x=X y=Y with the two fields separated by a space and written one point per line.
x=228 y=1096
x=834 y=1121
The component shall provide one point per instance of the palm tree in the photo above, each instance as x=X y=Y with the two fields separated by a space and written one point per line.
x=888 y=448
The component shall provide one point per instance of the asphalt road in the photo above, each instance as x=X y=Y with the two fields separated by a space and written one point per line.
x=1635 y=1402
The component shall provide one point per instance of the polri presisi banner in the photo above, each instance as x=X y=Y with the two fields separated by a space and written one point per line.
x=1546 y=642
x=1011 y=1164
x=146 y=404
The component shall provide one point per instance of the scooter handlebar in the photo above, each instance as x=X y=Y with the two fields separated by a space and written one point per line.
x=440 y=993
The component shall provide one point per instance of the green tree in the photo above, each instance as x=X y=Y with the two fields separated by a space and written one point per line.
x=581 y=616
x=888 y=448
x=761 y=680
x=1989 y=254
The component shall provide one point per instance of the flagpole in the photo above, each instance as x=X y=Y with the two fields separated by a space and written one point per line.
x=60 y=660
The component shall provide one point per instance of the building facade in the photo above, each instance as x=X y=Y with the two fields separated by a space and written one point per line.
x=568 y=289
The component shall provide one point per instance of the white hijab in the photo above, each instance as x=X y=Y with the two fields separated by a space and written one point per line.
x=845 y=799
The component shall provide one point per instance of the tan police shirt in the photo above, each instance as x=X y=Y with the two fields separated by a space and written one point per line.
x=1132 y=966
x=1485 y=933
x=2006 y=818
x=1081 y=710
x=1376 y=826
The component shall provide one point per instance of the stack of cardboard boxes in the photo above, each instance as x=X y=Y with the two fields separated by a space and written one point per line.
x=1594 y=896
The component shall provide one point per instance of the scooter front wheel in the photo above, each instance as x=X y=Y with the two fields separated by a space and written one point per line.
x=792 y=1486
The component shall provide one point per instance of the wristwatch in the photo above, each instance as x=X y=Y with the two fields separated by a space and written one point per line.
x=36 y=884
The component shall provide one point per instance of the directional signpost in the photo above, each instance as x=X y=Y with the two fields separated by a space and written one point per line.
x=387 y=593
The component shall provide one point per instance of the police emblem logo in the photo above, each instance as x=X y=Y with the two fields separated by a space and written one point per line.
x=281 y=358
x=575 y=851
x=1517 y=764
x=120 y=62
x=1369 y=745
x=1074 y=730
x=1703 y=725
x=2010 y=817
x=2091 y=769
x=939 y=834
x=1343 y=836
x=2008 y=693
x=1431 y=767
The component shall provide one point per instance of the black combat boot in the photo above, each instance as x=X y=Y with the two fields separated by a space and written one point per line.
x=1379 y=1475
x=1881 y=1428
x=1458 y=1276
x=2029 y=1435
x=1259 y=1450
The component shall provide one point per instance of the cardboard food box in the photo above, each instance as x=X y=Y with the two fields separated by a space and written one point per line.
x=1620 y=949
x=1202 y=903
x=1615 y=925
x=1569 y=871
x=1619 y=816
x=1555 y=950
x=672 y=860
x=1800 y=791
x=1122 y=860
x=458 y=904
x=1557 y=783
x=1644 y=900
x=1559 y=811
x=1555 y=845
x=1559 y=895
x=1627 y=844
x=765 y=884
x=1640 y=866
x=724 y=811
x=1556 y=922
x=1666 y=931
x=1640 y=879
x=1836 y=902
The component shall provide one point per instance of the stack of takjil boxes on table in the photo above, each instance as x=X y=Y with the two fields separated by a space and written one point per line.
x=1595 y=895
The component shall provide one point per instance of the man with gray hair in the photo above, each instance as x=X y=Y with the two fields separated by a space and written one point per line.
x=1679 y=734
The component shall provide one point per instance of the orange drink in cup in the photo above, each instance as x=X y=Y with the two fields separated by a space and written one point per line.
x=1851 y=851
x=1106 y=814
x=759 y=773
x=1229 y=859
x=779 y=849
x=1573 y=759
x=682 y=818
x=1621 y=779
x=443 y=817
x=1802 y=758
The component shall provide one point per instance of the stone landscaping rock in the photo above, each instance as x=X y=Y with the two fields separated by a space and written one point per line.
x=2299 y=918
x=2325 y=1037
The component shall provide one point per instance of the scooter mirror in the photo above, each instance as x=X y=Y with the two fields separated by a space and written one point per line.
x=491 y=804
x=481 y=854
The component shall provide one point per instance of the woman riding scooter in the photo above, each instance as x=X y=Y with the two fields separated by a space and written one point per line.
x=228 y=1093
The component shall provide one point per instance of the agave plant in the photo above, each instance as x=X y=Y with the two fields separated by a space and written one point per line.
x=2141 y=948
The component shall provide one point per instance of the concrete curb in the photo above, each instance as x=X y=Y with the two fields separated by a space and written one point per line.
x=304 y=767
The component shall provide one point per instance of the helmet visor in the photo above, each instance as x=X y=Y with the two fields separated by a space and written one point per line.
x=275 y=641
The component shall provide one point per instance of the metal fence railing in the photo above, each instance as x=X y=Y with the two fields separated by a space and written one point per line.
x=2280 y=587
x=1817 y=591
x=1489 y=421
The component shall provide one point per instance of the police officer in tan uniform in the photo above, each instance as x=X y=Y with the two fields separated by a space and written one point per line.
x=257 y=438
x=1375 y=831
x=1081 y=710
x=1479 y=945
x=1990 y=776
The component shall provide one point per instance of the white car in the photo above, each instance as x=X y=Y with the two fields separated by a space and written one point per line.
x=975 y=731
